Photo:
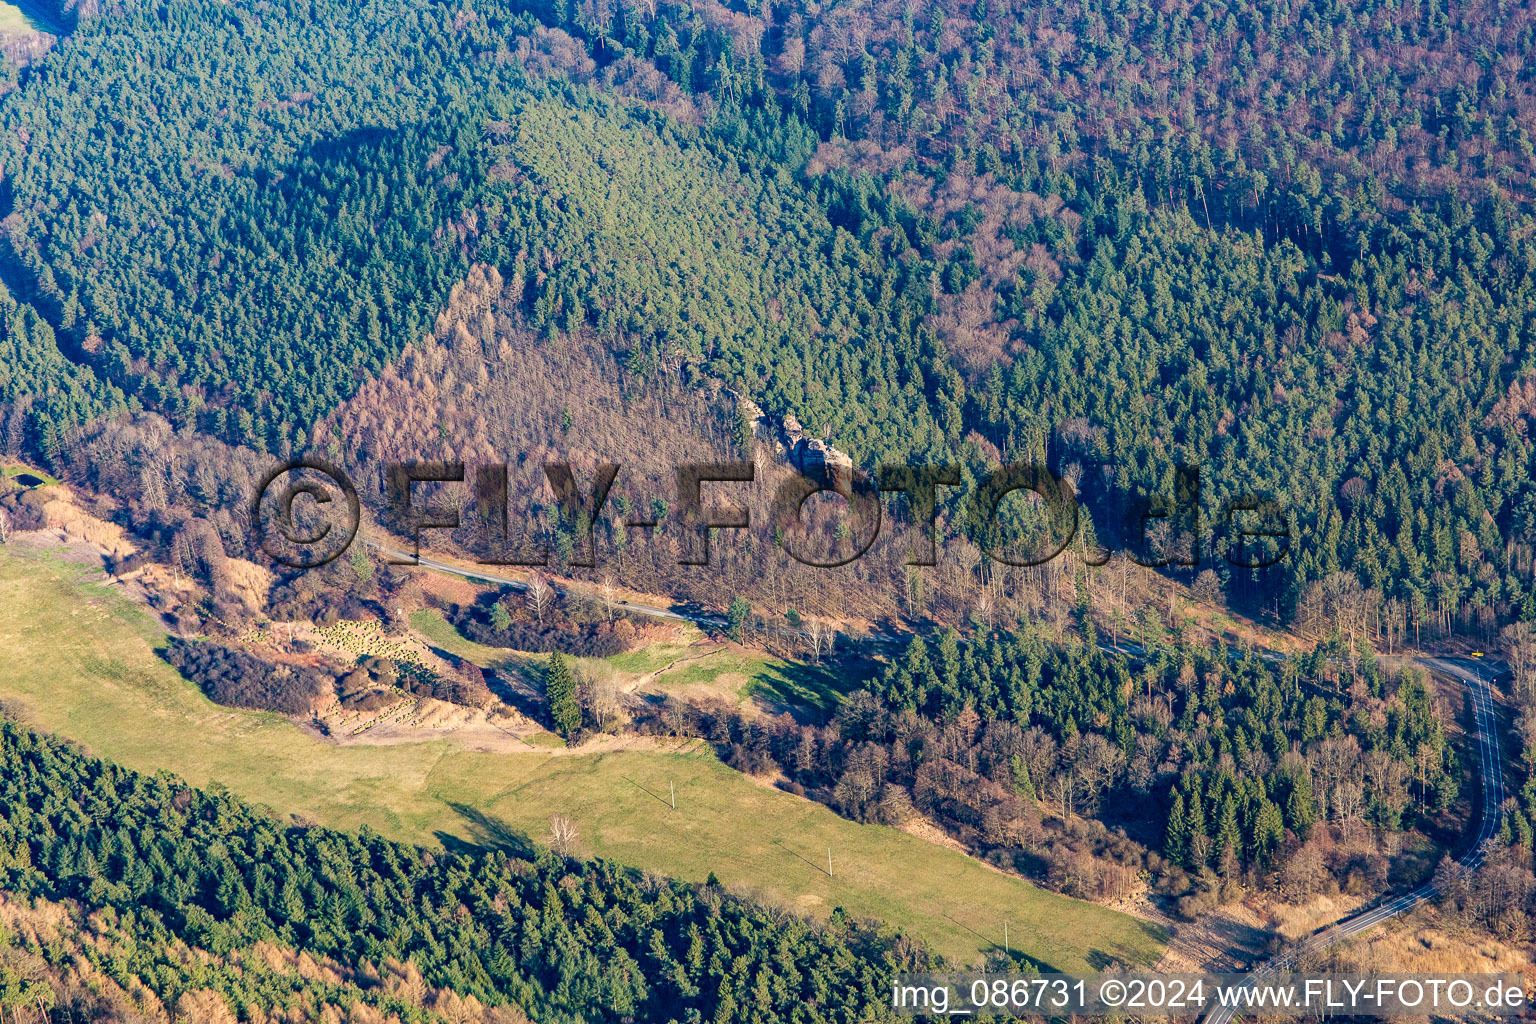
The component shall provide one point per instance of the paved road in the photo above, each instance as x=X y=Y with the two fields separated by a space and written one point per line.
x=648 y=610
x=1477 y=676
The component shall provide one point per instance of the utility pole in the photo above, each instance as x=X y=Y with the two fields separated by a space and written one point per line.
x=673 y=786
x=829 y=862
x=1005 y=937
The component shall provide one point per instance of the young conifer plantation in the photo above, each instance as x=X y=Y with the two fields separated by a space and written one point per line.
x=1252 y=282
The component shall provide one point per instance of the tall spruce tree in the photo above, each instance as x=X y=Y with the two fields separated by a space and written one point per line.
x=560 y=691
x=1176 y=840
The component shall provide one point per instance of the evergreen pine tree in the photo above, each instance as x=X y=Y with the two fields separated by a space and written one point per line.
x=1199 y=831
x=743 y=433
x=1300 y=812
x=1176 y=840
x=560 y=691
x=1228 y=838
x=741 y=611
x=1268 y=833
x=1022 y=783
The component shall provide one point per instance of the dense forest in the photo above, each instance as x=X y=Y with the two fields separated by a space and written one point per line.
x=1195 y=764
x=1287 y=245
x=1289 y=248
x=46 y=392
x=194 y=893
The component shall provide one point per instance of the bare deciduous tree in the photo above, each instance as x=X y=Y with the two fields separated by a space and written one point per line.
x=1348 y=801
x=540 y=596
x=562 y=834
x=609 y=589
x=1097 y=764
x=1520 y=642
x=1039 y=750
x=600 y=699
x=986 y=605
x=1334 y=760
x=203 y=1006
x=5 y=526
x=183 y=557
x=818 y=638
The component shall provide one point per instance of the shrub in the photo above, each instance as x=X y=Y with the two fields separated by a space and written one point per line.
x=238 y=679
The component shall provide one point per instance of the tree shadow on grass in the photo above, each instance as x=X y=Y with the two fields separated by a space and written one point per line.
x=487 y=832
x=519 y=699
x=803 y=690
x=648 y=792
x=795 y=853
x=1017 y=958
x=1100 y=960
x=809 y=692
x=1131 y=954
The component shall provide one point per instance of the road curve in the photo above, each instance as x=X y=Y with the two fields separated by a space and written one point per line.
x=1477 y=677
x=399 y=557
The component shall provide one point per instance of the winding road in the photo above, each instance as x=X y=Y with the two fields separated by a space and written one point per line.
x=650 y=611
x=403 y=558
x=1477 y=677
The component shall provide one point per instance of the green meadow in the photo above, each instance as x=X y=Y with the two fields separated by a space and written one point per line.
x=79 y=662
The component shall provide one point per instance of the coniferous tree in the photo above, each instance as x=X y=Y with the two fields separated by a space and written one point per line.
x=1176 y=841
x=560 y=693
x=738 y=617
x=1199 y=830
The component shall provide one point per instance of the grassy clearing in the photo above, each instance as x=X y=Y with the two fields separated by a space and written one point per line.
x=13 y=19
x=655 y=657
x=774 y=680
x=79 y=661
x=30 y=16
x=8 y=471
x=675 y=664
x=440 y=633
